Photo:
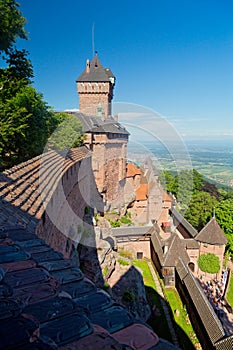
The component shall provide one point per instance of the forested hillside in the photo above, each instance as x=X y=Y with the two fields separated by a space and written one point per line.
x=199 y=200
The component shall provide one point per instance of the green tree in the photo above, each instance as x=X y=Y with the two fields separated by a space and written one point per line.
x=168 y=182
x=198 y=180
x=209 y=263
x=185 y=188
x=224 y=216
x=26 y=123
x=201 y=209
x=68 y=134
x=12 y=24
x=16 y=75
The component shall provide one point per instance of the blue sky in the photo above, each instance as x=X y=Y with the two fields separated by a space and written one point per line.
x=171 y=56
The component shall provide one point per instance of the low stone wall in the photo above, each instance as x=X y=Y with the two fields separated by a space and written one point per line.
x=139 y=249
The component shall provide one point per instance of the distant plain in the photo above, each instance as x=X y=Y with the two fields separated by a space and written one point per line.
x=213 y=159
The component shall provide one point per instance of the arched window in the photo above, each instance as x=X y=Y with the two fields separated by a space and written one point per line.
x=191 y=265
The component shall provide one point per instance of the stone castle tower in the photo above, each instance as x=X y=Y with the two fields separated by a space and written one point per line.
x=95 y=88
x=105 y=136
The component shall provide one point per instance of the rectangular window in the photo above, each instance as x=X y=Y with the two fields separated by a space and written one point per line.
x=139 y=255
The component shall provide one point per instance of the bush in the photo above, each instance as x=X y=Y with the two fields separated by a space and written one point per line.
x=115 y=223
x=123 y=262
x=126 y=254
x=125 y=220
x=209 y=263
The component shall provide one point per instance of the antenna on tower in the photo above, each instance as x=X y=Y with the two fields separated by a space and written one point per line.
x=93 y=39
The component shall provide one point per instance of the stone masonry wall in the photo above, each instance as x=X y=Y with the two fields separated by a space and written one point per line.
x=65 y=212
x=109 y=166
x=93 y=94
x=136 y=247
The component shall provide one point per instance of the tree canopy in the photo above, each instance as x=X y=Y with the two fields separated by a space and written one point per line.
x=224 y=215
x=209 y=263
x=205 y=200
x=68 y=134
x=26 y=121
x=201 y=209
x=12 y=24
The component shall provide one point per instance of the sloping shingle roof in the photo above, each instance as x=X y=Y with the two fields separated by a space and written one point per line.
x=156 y=242
x=142 y=192
x=209 y=319
x=212 y=234
x=176 y=250
x=192 y=231
x=132 y=170
x=166 y=197
x=97 y=72
x=28 y=186
x=95 y=124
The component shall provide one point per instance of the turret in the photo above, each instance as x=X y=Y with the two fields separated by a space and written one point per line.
x=95 y=88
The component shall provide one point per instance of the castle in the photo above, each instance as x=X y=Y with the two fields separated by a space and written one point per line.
x=44 y=206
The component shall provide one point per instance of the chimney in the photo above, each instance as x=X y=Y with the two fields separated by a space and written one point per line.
x=88 y=66
x=116 y=117
x=165 y=249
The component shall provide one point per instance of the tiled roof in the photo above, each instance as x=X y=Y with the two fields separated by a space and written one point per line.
x=132 y=170
x=212 y=234
x=96 y=125
x=192 y=231
x=191 y=243
x=176 y=250
x=142 y=192
x=96 y=73
x=26 y=188
x=131 y=231
x=38 y=288
x=225 y=344
x=209 y=318
x=156 y=242
x=166 y=197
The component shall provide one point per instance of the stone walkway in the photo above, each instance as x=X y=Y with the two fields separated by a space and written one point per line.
x=165 y=307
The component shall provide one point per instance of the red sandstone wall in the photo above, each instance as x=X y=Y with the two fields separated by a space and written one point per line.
x=109 y=165
x=91 y=94
x=137 y=247
x=62 y=220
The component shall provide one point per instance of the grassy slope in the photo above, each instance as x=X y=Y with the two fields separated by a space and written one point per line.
x=157 y=322
x=230 y=292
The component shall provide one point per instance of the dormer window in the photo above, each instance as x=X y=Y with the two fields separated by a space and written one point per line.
x=112 y=80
